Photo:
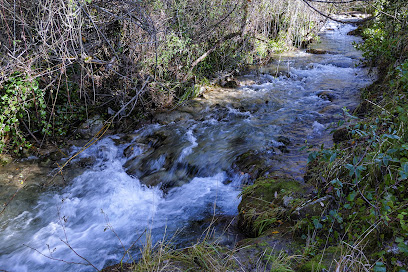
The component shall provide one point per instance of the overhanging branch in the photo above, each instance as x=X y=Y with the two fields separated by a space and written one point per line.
x=307 y=2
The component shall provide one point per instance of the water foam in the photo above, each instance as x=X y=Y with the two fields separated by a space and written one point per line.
x=103 y=197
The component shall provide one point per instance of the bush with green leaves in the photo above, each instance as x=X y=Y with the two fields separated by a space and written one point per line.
x=367 y=176
x=23 y=108
x=386 y=36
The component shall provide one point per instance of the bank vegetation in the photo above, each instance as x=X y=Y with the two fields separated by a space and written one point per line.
x=64 y=61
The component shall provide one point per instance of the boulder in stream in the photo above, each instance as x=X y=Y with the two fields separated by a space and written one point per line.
x=326 y=95
x=316 y=51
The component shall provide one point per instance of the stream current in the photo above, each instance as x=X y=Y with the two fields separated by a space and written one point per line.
x=168 y=176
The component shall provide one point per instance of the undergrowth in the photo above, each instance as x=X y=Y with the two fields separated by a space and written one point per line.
x=208 y=255
x=366 y=172
x=64 y=61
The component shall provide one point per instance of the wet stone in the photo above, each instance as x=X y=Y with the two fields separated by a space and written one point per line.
x=316 y=51
x=327 y=95
x=283 y=149
x=154 y=179
x=85 y=161
x=171 y=117
x=284 y=140
x=135 y=149
x=251 y=163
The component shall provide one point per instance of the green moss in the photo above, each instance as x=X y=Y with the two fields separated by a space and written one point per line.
x=312 y=265
x=268 y=188
x=263 y=206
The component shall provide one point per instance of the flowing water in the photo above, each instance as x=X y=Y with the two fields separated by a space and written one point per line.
x=173 y=175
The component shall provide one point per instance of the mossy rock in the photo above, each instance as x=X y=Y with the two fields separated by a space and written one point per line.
x=267 y=202
x=256 y=254
x=324 y=260
x=312 y=265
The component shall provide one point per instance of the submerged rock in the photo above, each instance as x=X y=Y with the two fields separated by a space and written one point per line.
x=174 y=116
x=326 y=95
x=284 y=140
x=250 y=163
x=316 y=51
x=155 y=178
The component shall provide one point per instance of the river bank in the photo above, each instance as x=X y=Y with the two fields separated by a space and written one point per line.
x=170 y=174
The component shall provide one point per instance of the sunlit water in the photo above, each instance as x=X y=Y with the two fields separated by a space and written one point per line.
x=187 y=163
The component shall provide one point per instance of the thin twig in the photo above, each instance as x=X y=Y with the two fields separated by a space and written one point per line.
x=131 y=100
x=11 y=199
x=54 y=259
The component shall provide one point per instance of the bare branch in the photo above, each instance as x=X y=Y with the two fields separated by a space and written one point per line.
x=331 y=17
x=55 y=259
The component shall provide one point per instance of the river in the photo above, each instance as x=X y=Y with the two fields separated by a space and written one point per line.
x=187 y=159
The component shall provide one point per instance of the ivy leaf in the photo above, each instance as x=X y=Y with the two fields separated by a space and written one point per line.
x=351 y=168
x=380 y=267
x=317 y=224
x=351 y=196
x=386 y=159
x=404 y=171
x=403 y=248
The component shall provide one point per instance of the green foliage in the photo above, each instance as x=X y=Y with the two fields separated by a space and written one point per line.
x=400 y=76
x=379 y=267
x=386 y=37
x=67 y=113
x=23 y=108
x=367 y=176
x=27 y=117
x=265 y=47
x=175 y=51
